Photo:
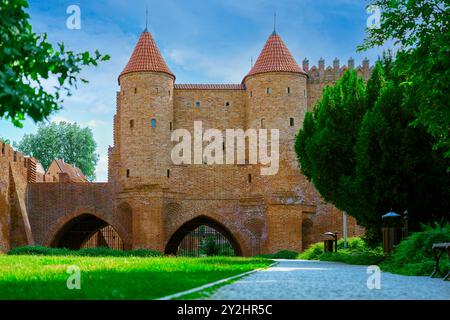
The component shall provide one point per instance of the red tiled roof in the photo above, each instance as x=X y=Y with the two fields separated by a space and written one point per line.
x=185 y=86
x=275 y=56
x=74 y=173
x=146 y=57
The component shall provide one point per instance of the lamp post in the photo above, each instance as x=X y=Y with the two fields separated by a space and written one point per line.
x=344 y=218
x=391 y=231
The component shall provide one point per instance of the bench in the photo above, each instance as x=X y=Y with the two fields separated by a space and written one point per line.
x=439 y=249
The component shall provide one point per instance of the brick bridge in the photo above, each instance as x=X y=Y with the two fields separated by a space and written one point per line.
x=64 y=214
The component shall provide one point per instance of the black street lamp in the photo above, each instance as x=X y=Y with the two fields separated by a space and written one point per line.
x=391 y=230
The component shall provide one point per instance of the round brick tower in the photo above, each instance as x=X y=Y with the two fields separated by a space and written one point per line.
x=144 y=117
x=276 y=99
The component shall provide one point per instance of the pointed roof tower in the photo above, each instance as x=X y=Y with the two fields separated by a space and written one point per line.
x=275 y=56
x=146 y=57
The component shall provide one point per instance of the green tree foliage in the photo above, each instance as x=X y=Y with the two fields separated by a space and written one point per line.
x=209 y=247
x=384 y=162
x=325 y=144
x=421 y=29
x=27 y=60
x=66 y=141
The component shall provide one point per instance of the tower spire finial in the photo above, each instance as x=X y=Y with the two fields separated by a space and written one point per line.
x=146 y=18
x=275 y=22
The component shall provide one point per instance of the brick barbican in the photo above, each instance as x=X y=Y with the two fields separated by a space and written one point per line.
x=151 y=202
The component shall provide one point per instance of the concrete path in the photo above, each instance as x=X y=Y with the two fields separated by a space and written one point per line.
x=300 y=279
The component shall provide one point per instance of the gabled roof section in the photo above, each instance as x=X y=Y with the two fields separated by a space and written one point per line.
x=74 y=173
x=275 y=56
x=146 y=57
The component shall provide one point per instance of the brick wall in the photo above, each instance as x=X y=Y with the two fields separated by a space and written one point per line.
x=53 y=205
x=15 y=172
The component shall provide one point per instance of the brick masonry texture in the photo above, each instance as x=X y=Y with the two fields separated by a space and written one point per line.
x=148 y=198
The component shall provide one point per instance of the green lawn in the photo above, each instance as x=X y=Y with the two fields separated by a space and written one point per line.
x=45 y=277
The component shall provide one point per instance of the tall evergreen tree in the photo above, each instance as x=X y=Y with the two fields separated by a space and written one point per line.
x=361 y=152
x=326 y=143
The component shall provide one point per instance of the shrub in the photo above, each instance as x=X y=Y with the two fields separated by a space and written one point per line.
x=357 y=252
x=144 y=253
x=99 y=252
x=314 y=252
x=226 y=250
x=364 y=257
x=283 y=254
x=210 y=247
x=85 y=252
x=39 y=250
x=413 y=256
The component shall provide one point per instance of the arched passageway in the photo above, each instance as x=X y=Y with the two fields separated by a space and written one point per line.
x=307 y=233
x=87 y=231
x=203 y=236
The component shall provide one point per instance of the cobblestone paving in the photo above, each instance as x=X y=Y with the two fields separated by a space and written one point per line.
x=300 y=279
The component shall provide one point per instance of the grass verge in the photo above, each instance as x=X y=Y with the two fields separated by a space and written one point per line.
x=45 y=277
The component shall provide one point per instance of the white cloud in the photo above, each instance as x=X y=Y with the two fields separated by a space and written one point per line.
x=58 y=119
x=176 y=56
x=101 y=171
x=95 y=123
x=229 y=67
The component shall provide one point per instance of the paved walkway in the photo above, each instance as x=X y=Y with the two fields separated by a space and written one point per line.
x=300 y=279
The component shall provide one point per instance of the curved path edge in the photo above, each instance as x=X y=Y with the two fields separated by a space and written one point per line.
x=209 y=285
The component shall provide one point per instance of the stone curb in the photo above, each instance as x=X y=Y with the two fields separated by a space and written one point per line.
x=205 y=286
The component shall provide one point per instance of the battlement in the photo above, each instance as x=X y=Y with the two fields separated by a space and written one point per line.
x=26 y=165
x=331 y=73
x=199 y=86
x=9 y=154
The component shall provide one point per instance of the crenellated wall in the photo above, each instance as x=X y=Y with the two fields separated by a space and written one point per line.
x=320 y=76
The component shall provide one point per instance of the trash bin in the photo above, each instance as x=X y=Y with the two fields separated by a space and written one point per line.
x=391 y=230
x=328 y=245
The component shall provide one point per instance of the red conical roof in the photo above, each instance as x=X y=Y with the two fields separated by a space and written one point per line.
x=275 y=56
x=146 y=57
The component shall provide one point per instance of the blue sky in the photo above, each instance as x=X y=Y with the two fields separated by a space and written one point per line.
x=208 y=41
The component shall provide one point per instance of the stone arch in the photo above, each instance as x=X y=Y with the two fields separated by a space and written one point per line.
x=172 y=208
x=307 y=233
x=189 y=226
x=97 y=220
x=125 y=207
